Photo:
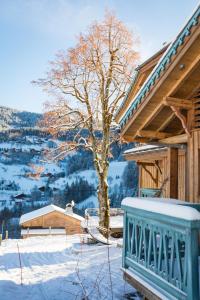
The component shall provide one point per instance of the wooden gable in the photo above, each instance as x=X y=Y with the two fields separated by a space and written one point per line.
x=171 y=103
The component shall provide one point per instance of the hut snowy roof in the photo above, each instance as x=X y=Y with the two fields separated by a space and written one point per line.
x=44 y=211
x=145 y=152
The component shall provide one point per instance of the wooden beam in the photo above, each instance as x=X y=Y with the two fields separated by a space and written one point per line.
x=182 y=118
x=130 y=138
x=176 y=102
x=141 y=163
x=176 y=139
x=153 y=134
x=166 y=122
x=185 y=75
x=173 y=172
x=152 y=115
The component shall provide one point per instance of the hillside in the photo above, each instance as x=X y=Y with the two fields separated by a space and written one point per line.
x=28 y=181
x=12 y=118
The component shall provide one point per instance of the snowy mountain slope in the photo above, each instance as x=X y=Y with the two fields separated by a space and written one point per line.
x=115 y=173
x=12 y=118
x=91 y=202
x=60 y=268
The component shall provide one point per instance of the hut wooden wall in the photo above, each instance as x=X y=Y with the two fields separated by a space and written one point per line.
x=145 y=179
x=55 y=220
x=147 y=182
x=181 y=175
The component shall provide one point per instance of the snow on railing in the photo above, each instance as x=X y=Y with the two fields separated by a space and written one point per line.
x=161 y=246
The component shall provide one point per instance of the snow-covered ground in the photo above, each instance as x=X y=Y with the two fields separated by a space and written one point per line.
x=60 y=268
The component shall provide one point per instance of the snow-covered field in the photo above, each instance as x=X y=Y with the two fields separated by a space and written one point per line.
x=60 y=268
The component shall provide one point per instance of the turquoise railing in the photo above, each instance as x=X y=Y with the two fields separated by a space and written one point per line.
x=162 y=251
x=161 y=66
x=148 y=192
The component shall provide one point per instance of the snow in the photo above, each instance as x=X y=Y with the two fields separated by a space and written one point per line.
x=20 y=146
x=44 y=211
x=16 y=173
x=163 y=206
x=144 y=148
x=115 y=221
x=91 y=202
x=116 y=170
x=60 y=268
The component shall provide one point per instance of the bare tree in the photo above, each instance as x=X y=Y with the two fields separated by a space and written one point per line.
x=89 y=82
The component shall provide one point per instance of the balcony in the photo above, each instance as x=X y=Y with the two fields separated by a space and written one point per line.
x=161 y=247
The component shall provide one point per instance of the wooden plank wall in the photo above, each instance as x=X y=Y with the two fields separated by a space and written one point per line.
x=181 y=175
x=147 y=182
x=193 y=167
x=55 y=220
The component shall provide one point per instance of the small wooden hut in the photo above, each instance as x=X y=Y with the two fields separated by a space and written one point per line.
x=50 y=219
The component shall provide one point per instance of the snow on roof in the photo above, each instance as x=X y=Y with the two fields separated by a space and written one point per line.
x=40 y=212
x=144 y=148
x=46 y=210
x=163 y=206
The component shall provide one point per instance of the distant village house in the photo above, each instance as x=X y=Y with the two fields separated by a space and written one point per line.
x=50 y=219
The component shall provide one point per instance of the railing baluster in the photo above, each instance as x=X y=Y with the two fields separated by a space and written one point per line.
x=165 y=245
x=178 y=257
x=160 y=252
x=155 y=251
x=140 y=243
x=149 y=249
x=145 y=245
x=136 y=240
x=171 y=268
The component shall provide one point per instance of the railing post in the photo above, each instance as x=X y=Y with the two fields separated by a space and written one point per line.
x=193 y=266
x=124 y=240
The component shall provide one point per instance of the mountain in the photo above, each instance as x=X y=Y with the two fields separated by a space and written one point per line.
x=13 y=118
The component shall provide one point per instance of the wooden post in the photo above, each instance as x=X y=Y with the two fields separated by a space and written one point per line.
x=0 y=239
x=6 y=234
x=173 y=172
x=193 y=277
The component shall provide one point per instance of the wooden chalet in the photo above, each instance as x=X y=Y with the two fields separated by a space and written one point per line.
x=161 y=113
x=162 y=108
x=50 y=219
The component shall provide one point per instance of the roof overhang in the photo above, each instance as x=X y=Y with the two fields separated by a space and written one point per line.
x=178 y=68
x=146 y=153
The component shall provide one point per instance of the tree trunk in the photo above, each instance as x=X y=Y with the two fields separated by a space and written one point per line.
x=104 y=205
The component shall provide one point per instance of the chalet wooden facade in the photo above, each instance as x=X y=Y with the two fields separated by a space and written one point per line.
x=162 y=108
x=50 y=217
x=161 y=112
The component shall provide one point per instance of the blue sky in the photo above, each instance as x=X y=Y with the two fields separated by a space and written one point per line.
x=32 y=31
